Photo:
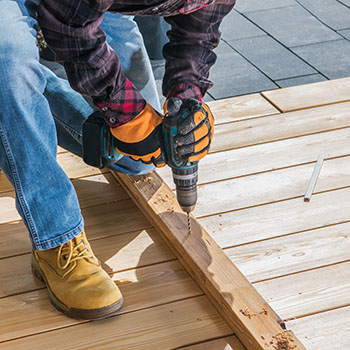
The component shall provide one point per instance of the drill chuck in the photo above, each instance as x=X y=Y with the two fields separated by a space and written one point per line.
x=185 y=180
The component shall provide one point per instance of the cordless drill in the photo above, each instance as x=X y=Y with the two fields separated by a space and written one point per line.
x=185 y=173
x=99 y=150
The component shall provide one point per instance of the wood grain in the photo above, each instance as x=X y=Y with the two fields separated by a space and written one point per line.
x=311 y=95
x=268 y=156
x=117 y=253
x=100 y=221
x=158 y=328
x=240 y=108
x=29 y=313
x=285 y=255
x=278 y=127
x=222 y=282
x=270 y=187
x=228 y=343
x=324 y=331
x=280 y=218
x=308 y=292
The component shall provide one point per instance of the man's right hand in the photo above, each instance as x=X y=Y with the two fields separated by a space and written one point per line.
x=141 y=138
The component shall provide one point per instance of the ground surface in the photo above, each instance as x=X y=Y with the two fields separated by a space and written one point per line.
x=279 y=43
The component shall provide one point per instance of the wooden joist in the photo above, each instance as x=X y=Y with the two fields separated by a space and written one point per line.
x=246 y=312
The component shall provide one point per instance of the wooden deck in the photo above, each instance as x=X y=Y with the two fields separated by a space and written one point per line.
x=251 y=191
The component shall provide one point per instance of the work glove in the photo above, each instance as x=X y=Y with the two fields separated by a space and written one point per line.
x=195 y=132
x=141 y=138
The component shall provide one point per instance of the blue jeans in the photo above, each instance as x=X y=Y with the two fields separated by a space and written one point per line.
x=32 y=99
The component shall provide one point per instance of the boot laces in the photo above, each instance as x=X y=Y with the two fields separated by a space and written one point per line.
x=72 y=251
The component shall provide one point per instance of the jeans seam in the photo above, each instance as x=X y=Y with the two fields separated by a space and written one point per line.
x=72 y=131
x=18 y=187
x=45 y=244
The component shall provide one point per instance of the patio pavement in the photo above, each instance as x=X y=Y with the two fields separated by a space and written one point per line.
x=268 y=44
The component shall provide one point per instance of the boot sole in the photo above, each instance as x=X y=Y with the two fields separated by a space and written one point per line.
x=79 y=314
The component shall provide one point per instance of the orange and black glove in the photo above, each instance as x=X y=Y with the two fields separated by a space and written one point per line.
x=141 y=138
x=195 y=131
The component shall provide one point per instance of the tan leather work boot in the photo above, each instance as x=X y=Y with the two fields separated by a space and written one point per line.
x=77 y=284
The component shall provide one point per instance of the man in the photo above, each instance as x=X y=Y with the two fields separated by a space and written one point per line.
x=32 y=100
x=71 y=29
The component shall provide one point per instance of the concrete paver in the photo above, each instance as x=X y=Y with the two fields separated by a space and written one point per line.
x=293 y=26
x=332 y=13
x=272 y=58
x=330 y=58
x=280 y=43
x=235 y=26
x=345 y=2
x=258 y=5
x=233 y=75
x=345 y=33
x=306 y=79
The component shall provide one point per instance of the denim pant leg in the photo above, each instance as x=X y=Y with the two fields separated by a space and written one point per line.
x=45 y=197
x=70 y=109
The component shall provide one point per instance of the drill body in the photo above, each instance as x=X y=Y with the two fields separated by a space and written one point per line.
x=185 y=173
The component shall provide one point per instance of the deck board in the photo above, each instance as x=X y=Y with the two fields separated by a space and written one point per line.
x=158 y=328
x=311 y=95
x=305 y=293
x=326 y=330
x=30 y=313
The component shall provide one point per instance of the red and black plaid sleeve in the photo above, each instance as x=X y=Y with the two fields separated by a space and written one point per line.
x=189 y=54
x=71 y=29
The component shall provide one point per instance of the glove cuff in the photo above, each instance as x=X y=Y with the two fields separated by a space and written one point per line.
x=123 y=107
x=138 y=128
x=186 y=91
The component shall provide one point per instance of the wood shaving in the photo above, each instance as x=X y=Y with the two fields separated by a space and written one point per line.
x=283 y=341
x=247 y=313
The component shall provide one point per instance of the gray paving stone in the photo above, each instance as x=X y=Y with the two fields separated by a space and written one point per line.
x=235 y=26
x=330 y=12
x=259 y=5
x=345 y=33
x=272 y=58
x=308 y=79
x=233 y=75
x=330 y=58
x=345 y=2
x=293 y=26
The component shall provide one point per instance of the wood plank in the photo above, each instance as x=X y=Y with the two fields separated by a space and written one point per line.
x=29 y=313
x=75 y=167
x=98 y=189
x=5 y=184
x=239 y=108
x=268 y=156
x=310 y=95
x=281 y=218
x=92 y=190
x=285 y=255
x=324 y=331
x=222 y=282
x=117 y=253
x=100 y=221
x=158 y=328
x=269 y=187
x=308 y=292
x=228 y=343
x=278 y=127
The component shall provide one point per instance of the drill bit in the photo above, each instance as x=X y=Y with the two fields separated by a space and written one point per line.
x=189 y=226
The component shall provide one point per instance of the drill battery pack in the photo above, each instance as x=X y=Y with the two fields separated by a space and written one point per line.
x=98 y=142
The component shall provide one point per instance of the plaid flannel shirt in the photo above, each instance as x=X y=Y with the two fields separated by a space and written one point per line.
x=71 y=29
